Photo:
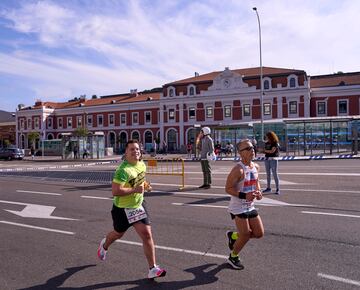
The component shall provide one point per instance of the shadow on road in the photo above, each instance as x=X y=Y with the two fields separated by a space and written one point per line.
x=202 y=276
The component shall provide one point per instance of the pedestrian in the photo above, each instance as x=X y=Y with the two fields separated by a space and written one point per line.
x=229 y=149
x=189 y=149
x=164 y=145
x=155 y=147
x=243 y=185
x=32 y=152
x=207 y=148
x=254 y=143
x=272 y=150
x=129 y=207
x=75 y=150
x=85 y=154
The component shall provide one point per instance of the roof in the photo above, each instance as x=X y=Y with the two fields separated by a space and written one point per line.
x=6 y=117
x=103 y=100
x=246 y=72
x=339 y=79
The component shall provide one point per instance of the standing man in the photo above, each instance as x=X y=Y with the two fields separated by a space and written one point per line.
x=207 y=148
x=129 y=207
x=243 y=185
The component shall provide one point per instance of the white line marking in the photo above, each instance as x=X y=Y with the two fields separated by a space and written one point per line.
x=39 y=192
x=38 y=228
x=96 y=197
x=333 y=214
x=335 y=278
x=286 y=173
x=282 y=182
x=176 y=250
x=200 y=205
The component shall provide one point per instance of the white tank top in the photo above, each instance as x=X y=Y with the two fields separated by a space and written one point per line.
x=248 y=184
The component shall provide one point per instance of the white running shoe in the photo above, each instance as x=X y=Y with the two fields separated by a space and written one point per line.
x=156 y=271
x=101 y=251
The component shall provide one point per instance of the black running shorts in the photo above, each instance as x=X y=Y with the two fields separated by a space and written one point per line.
x=120 y=220
x=246 y=215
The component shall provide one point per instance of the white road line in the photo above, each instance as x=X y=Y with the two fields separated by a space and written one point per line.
x=335 y=278
x=199 y=205
x=96 y=197
x=282 y=182
x=205 y=254
x=37 y=228
x=286 y=173
x=333 y=214
x=39 y=192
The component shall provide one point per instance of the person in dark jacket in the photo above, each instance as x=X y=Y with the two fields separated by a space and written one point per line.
x=207 y=148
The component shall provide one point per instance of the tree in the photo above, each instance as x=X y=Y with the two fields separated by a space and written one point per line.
x=81 y=132
x=32 y=137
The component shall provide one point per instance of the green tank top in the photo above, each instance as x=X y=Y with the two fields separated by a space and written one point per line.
x=129 y=176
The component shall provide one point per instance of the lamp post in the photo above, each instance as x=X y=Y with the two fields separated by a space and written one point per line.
x=261 y=81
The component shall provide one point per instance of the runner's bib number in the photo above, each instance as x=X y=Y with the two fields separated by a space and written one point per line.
x=135 y=214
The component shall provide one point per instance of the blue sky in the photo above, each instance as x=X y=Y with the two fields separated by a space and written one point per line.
x=57 y=50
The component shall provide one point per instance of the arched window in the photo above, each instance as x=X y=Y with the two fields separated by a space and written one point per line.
x=148 y=138
x=172 y=140
x=135 y=135
x=191 y=91
x=122 y=141
x=112 y=142
x=50 y=136
x=292 y=82
x=266 y=85
x=171 y=92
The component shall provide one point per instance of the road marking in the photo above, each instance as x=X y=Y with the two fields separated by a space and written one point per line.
x=283 y=182
x=205 y=254
x=35 y=211
x=336 y=278
x=333 y=214
x=39 y=192
x=37 y=228
x=286 y=173
x=96 y=197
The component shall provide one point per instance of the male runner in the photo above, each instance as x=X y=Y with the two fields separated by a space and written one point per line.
x=129 y=207
x=243 y=185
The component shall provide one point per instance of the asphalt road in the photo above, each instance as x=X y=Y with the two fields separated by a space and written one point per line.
x=52 y=219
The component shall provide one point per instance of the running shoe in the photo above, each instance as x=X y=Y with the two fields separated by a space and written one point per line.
x=101 y=251
x=156 y=272
x=267 y=190
x=277 y=191
x=231 y=241
x=235 y=262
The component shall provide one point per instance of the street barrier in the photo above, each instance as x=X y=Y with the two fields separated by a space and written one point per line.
x=166 y=167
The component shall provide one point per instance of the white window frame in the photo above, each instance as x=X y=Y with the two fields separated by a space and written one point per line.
x=79 y=121
x=49 y=122
x=225 y=106
x=243 y=111
x=297 y=107
x=22 y=124
x=133 y=114
x=270 y=109
x=191 y=87
x=194 y=117
x=292 y=76
x=171 y=89
x=29 y=124
x=121 y=122
x=212 y=112
x=338 y=107
x=269 y=80
x=36 y=123
x=69 y=123
x=172 y=119
x=60 y=122
x=89 y=120
x=145 y=115
x=109 y=118
x=98 y=120
x=317 y=108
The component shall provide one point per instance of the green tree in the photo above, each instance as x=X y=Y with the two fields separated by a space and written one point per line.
x=32 y=137
x=81 y=132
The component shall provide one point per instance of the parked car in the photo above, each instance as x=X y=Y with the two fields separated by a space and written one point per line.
x=11 y=153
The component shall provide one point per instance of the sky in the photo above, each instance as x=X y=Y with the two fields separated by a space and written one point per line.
x=60 y=49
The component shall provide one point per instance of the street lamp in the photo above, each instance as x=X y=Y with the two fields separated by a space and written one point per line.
x=261 y=81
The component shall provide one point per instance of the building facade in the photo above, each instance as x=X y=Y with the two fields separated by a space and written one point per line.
x=175 y=112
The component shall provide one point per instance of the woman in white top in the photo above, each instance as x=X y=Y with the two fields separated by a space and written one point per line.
x=243 y=185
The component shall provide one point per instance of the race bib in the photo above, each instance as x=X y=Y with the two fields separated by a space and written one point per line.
x=135 y=214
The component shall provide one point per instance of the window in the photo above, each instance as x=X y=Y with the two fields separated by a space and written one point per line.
x=227 y=111
x=78 y=121
x=292 y=82
x=29 y=123
x=100 y=120
x=343 y=107
x=89 y=120
x=321 y=109
x=209 y=112
x=266 y=85
x=267 y=109
x=60 y=122
x=22 y=124
x=192 y=113
x=171 y=92
x=36 y=123
x=147 y=117
x=135 y=118
x=246 y=111
x=49 y=122
x=293 y=107
x=111 y=120
x=69 y=122
x=123 y=119
x=191 y=91
x=171 y=114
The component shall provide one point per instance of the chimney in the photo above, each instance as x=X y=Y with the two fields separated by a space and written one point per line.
x=38 y=103
x=197 y=74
